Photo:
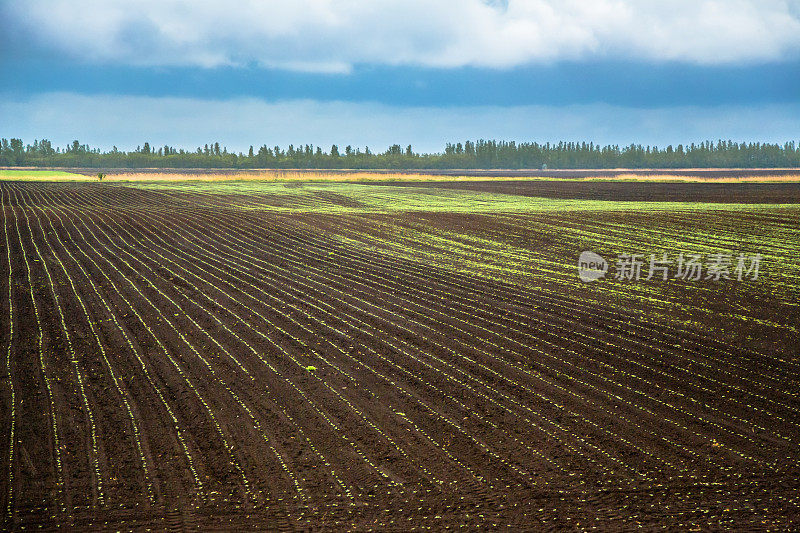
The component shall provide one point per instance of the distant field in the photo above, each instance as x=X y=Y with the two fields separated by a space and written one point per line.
x=42 y=175
x=243 y=355
x=645 y=175
x=758 y=190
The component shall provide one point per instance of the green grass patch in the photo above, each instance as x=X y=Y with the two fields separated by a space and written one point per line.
x=42 y=175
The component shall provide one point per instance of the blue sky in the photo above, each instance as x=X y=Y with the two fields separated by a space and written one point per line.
x=373 y=73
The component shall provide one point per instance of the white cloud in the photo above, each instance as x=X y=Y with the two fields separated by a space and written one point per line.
x=333 y=35
x=128 y=121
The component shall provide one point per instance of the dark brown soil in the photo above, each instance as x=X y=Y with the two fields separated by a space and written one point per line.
x=220 y=368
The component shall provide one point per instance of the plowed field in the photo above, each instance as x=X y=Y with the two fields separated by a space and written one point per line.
x=266 y=356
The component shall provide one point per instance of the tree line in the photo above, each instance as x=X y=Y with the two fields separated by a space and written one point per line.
x=479 y=154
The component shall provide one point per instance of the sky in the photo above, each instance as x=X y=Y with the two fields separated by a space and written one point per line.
x=378 y=72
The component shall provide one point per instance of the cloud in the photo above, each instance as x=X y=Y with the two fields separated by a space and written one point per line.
x=334 y=35
x=128 y=121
